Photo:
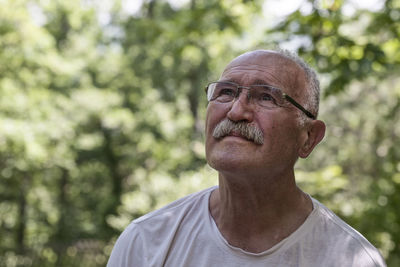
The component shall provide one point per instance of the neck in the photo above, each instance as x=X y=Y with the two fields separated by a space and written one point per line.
x=255 y=213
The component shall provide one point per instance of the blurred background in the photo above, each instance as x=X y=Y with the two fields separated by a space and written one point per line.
x=102 y=113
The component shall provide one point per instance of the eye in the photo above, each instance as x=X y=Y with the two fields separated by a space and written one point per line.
x=221 y=92
x=266 y=97
x=226 y=92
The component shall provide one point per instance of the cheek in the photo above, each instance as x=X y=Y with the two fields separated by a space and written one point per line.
x=209 y=124
x=215 y=114
x=280 y=135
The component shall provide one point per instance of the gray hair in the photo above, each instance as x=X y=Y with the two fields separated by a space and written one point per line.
x=247 y=130
x=313 y=88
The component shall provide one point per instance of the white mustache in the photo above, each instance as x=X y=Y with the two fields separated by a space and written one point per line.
x=245 y=129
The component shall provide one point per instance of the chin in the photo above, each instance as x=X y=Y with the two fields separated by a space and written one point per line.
x=229 y=162
x=233 y=155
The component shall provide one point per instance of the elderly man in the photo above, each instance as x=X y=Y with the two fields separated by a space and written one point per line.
x=261 y=118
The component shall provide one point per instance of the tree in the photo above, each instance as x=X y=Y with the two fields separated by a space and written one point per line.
x=102 y=115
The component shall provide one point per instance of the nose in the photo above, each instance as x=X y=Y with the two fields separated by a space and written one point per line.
x=242 y=108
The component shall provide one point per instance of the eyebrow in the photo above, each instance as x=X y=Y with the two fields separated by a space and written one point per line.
x=230 y=81
x=259 y=81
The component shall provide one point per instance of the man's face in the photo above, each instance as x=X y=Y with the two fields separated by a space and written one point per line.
x=280 y=127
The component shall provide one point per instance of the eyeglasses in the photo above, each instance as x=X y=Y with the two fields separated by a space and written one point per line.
x=265 y=96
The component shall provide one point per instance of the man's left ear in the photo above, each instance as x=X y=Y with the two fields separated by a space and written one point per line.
x=315 y=134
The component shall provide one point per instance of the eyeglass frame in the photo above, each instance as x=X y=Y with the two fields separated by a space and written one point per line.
x=285 y=96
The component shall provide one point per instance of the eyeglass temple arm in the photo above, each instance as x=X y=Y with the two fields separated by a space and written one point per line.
x=297 y=105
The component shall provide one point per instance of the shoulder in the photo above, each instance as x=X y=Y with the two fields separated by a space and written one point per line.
x=157 y=229
x=344 y=239
x=177 y=207
x=128 y=246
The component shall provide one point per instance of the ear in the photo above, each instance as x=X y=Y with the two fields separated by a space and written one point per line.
x=315 y=133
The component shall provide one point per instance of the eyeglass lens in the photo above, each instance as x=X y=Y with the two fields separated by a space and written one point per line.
x=262 y=95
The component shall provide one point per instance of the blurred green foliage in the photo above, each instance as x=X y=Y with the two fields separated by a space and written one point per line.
x=102 y=115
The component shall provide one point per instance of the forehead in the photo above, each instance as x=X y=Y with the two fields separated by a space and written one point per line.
x=269 y=67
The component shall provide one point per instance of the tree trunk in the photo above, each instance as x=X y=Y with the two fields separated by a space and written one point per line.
x=21 y=220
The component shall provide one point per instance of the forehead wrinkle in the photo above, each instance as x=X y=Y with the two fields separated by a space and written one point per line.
x=268 y=78
x=242 y=65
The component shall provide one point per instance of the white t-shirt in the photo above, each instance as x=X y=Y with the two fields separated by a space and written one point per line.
x=183 y=233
